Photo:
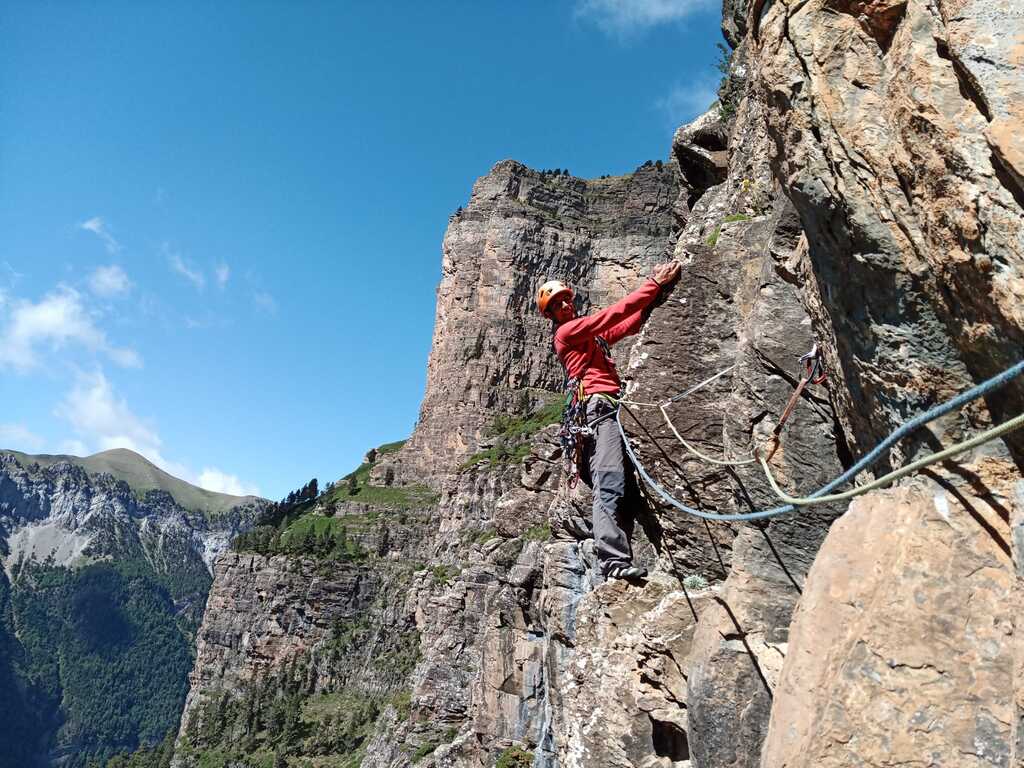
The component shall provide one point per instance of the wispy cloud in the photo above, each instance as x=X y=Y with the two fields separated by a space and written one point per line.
x=193 y=274
x=104 y=420
x=109 y=281
x=19 y=437
x=213 y=479
x=98 y=228
x=58 y=319
x=222 y=272
x=265 y=302
x=13 y=275
x=73 y=448
x=625 y=18
x=686 y=101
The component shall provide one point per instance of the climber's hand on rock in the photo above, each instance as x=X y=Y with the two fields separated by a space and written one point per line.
x=666 y=273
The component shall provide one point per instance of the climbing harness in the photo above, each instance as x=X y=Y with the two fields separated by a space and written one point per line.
x=575 y=428
x=822 y=495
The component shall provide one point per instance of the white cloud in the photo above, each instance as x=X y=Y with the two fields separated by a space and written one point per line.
x=186 y=270
x=222 y=272
x=97 y=413
x=13 y=275
x=19 y=437
x=58 y=319
x=624 y=18
x=685 y=102
x=124 y=357
x=213 y=479
x=98 y=228
x=73 y=448
x=104 y=420
x=265 y=302
x=109 y=281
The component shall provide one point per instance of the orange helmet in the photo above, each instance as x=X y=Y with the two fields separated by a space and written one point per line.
x=548 y=291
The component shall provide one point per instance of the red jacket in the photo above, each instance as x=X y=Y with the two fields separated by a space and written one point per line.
x=579 y=352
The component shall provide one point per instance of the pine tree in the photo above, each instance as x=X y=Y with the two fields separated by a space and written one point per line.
x=308 y=543
x=166 y=751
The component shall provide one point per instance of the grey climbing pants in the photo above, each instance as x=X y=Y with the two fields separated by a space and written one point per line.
x=614 y=485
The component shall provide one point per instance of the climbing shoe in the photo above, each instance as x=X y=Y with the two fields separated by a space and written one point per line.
x=626 y=572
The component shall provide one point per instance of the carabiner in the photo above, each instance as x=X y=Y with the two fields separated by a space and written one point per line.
x=812 y=365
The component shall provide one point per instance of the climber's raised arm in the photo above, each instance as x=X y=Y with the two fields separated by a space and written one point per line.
x=622 y=318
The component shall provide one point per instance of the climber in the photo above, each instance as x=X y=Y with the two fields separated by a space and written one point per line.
x=582 y=344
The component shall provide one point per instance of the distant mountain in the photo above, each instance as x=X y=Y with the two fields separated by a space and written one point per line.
x=106 y=569
x=142 y=476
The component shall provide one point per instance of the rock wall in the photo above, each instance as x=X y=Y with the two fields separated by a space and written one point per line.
x=910 y=606
x=63 y=515
x=307 y=643
x=890 y=124
x=491 y=351
x=859 y=188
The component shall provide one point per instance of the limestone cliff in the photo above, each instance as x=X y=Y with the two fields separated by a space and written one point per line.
x=56 y=509
x=858 y=188
x=491 y=352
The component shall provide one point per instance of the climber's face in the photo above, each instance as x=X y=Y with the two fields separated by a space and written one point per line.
x=562 y=309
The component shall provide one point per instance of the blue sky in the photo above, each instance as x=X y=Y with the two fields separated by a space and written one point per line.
x=220 y=223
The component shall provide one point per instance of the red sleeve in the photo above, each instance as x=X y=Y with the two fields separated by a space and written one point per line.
x=627 y=327
x=619 y=314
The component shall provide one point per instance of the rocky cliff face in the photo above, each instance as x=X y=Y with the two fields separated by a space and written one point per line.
x=62 y=515
x=859 y=189
x=491 y=352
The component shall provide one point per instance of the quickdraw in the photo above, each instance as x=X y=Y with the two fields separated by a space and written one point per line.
x=574 y=429
x=814 y=373
x=812 y=364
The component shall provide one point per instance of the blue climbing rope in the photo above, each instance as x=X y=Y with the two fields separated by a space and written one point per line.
x=869 y=460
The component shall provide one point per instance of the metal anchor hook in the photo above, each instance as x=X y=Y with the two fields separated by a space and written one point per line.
x=812 y=364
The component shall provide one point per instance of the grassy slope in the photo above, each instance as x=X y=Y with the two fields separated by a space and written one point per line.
x=142 y=476
x=406 y=497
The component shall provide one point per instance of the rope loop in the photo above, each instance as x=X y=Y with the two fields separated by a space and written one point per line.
x=824 y=494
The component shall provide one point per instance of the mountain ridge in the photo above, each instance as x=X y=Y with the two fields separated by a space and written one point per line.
x=142 y=476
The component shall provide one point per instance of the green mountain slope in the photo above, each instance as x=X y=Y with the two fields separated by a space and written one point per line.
x=142 y=475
